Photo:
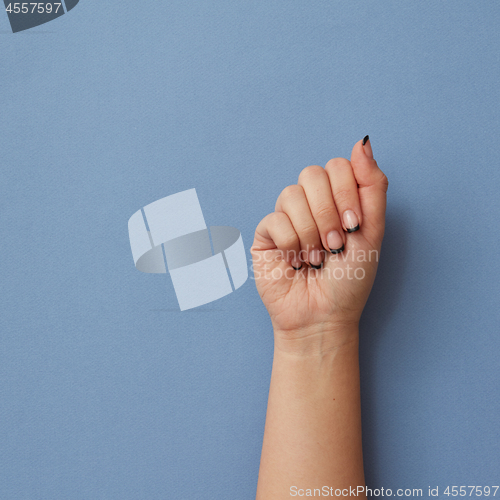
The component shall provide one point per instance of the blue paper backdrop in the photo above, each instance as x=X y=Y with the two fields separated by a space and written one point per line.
x=107 y=391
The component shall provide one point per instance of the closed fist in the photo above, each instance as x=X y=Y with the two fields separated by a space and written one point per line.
x=315 y=257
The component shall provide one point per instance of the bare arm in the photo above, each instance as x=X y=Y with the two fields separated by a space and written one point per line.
x=312 y=438
x=313 y=424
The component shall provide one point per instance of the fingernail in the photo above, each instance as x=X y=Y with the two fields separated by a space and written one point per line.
x=351 y=221
x=367 y=147
x=315 y=260
x=335 y=242
x=296 y=265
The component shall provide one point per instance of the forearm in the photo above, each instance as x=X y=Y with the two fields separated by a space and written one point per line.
x=312 y=435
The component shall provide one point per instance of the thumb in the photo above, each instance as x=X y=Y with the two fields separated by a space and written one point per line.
x=372 y=189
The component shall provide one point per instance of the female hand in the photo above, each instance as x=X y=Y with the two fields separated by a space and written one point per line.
x=316 y=256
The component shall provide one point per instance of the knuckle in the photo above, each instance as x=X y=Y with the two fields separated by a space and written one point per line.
x=279 y=220
x=336 y=163
x=275 y=217
x=291 y=191
x=261 y=224
x=311 y=172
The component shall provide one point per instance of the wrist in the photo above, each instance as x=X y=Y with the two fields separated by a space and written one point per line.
x=316 y=340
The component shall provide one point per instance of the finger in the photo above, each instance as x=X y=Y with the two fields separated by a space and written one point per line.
x=293 y=202
x=275 y=231
x=372 y=189
x=316 y=184
x=345 y=193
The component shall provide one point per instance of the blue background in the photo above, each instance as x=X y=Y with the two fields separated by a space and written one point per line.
x=107 y=391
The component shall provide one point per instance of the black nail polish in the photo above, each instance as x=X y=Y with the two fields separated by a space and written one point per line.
x=365 y=139
x=354 y=229
x=298 y=268
x=316 y=267
x=339 y=250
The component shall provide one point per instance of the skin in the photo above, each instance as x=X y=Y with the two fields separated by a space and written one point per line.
x=312 y=436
